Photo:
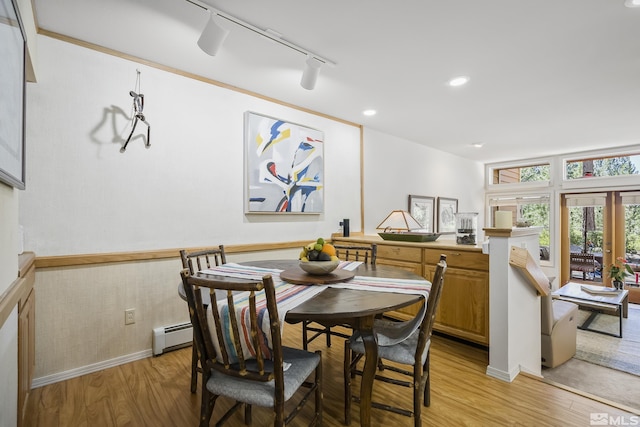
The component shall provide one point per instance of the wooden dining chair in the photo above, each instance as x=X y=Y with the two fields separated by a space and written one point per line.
x=412 y=351
x=196 y=261
x=235 y=354
x=365 y=254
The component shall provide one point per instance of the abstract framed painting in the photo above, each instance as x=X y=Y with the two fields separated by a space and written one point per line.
x=447 y=209
x=422 y=209
x=284 y=166
x=12 y=95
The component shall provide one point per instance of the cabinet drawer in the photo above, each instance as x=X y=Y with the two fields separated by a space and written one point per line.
x=461 y=259
x=400 y=253
x=413 y=267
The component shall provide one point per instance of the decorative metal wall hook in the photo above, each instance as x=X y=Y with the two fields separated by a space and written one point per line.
x=138 y=107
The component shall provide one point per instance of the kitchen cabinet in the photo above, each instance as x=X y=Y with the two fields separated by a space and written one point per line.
x=463 y=311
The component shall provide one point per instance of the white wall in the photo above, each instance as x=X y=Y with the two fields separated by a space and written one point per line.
x=84 y=196
x=394 y=168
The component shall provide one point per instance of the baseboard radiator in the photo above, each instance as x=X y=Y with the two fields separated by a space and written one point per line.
x=173 y=337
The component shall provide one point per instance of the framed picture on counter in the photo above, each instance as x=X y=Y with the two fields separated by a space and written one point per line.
x=422 y=208
x=447 y=209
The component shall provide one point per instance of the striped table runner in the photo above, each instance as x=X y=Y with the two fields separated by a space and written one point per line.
x=289 y=296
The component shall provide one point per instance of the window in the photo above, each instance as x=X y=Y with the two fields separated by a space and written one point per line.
x=615 y=165
x=586 y=230
x=530 y=173
x=604 y=224
x=534 y=209
x=631 y=205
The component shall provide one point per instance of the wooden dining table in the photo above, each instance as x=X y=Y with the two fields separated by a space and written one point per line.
x=356 y=308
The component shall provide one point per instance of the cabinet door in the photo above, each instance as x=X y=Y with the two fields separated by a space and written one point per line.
x=463 y=310
x=411 y=311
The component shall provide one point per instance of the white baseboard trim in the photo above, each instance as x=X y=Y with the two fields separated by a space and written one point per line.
x=502 y=375
x=532 y=372
x=83 y=370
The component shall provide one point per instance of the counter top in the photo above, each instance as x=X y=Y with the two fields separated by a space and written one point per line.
x=438 y=244
x=511 y=232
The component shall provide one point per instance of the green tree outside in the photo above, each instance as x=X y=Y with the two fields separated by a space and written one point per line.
x=538 y=214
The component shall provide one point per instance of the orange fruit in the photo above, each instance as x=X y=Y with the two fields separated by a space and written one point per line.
x=328 y=248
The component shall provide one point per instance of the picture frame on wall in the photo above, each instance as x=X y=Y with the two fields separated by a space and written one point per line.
x=422 y=208
x=284 y=166
x=447 y=209
x=12 y=101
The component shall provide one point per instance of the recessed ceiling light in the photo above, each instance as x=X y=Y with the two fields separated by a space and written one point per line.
x=478 y=144
x=369 y=112
x=632 y=3
x=458 y=81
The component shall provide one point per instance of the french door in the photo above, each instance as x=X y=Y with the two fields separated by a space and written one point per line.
x=605 y=225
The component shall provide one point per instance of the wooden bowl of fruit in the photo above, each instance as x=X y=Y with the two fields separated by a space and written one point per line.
x=319 y=258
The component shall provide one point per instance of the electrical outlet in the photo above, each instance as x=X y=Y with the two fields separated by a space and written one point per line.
x=130 y=316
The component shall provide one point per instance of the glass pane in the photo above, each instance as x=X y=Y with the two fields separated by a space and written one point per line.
x=534 y=210
x=632 y=240
x=585 y=237
x=521 y=174
x=604 y=166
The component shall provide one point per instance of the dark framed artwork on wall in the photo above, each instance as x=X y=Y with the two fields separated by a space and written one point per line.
x=422 y=208
x=12 y=93
x=447 y=209
x=284 y=166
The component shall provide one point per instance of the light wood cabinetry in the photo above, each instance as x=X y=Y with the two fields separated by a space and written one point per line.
x=463 y=311
x=408 y=258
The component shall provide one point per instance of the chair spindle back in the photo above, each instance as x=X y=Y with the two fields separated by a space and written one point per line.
x=366 y=254
x=229 y=356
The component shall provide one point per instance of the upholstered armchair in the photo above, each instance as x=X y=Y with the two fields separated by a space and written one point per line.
x=559 y=329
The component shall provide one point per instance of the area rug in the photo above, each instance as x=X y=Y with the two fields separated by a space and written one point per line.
x=623 y=353
x=604 y=366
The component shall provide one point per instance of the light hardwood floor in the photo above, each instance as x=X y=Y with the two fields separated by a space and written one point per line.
x=155 y=392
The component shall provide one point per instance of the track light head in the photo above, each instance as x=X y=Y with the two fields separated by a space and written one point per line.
x=310 y=73
x=212 y=36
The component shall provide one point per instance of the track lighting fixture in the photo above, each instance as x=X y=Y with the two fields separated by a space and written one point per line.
x=310 y=73
x=214 y=34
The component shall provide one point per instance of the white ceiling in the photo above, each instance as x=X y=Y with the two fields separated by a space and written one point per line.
x=547 y=76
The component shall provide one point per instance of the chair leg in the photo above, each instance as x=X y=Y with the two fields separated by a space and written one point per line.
x=207 y=404
x=194 y=367
x=347 y=383
x=427 y=386
x=327 y=332
x=278 y=409
x=304 y=335
x=417 y=391
x=319 y=388
x=248 y=418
